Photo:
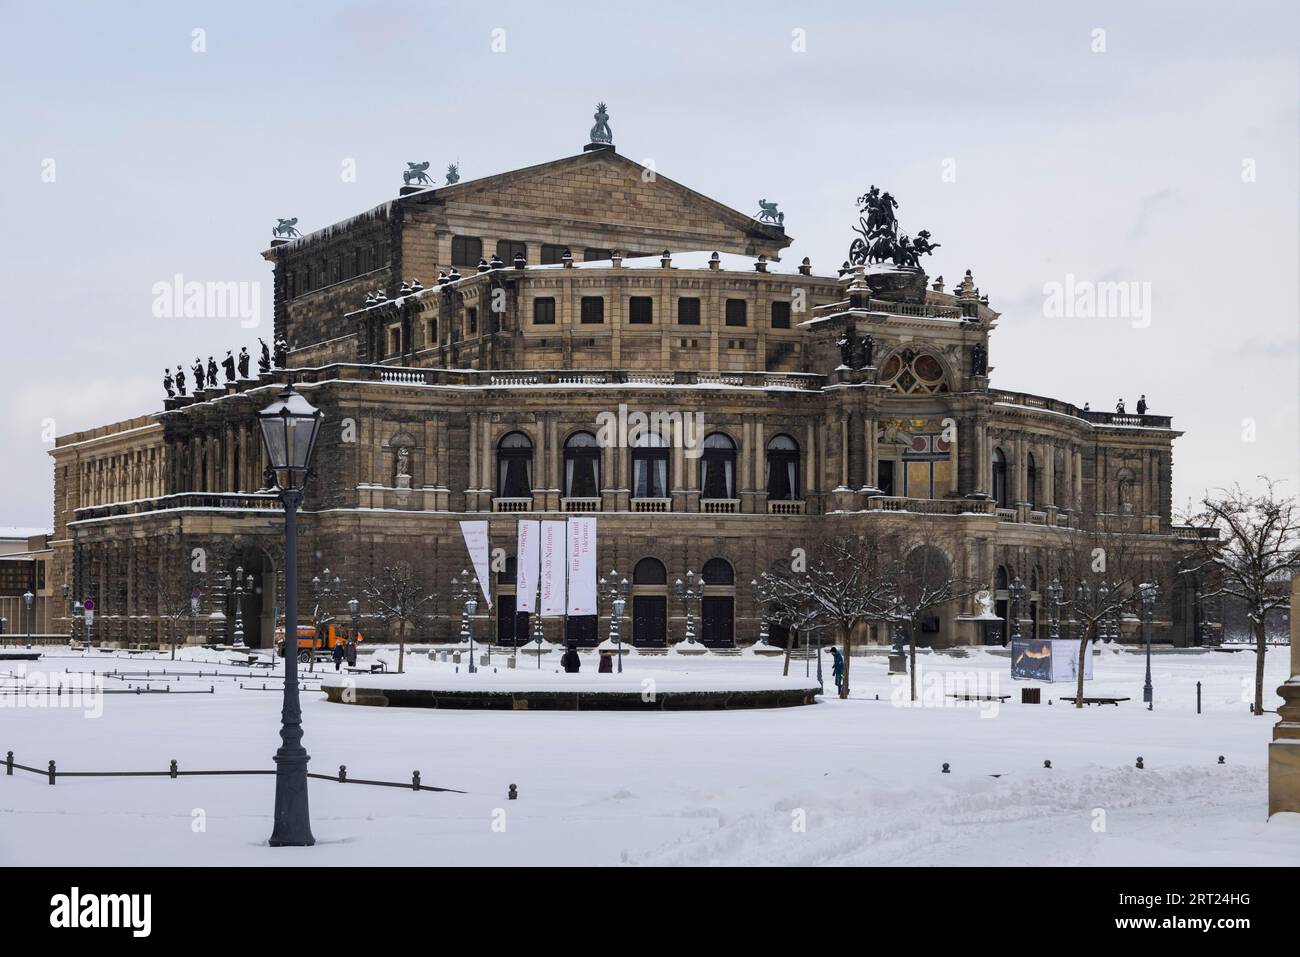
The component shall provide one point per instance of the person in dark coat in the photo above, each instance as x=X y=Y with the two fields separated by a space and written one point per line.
x=837 y=669
x=606 y=663
x=570 y=660
x=350 y=652
x=337 y=655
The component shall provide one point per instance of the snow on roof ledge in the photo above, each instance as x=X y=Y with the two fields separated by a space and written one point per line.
x=689 y=259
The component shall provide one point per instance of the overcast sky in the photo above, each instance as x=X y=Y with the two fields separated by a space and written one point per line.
x=1168 y=158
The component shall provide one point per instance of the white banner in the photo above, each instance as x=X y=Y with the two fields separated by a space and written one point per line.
x=527 y=558
x=582 y=566
x=553 y=565
x=476 y=542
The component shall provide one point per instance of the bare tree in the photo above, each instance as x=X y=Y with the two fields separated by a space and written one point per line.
x=918 y=585
x=1256 y=553
x=841 y=589
x=172 y=587
x=1100 y=568
x=398 y=598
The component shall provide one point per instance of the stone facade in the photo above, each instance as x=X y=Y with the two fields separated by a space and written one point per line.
x=483 y=393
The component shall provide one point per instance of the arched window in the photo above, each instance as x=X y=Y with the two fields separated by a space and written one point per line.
x=718 y=467
x=1031 y=480
x=649 y=466
x=649 y=571
x=718 y=571
x=782 y=469
x=581 y=466
x=1000 y=478
x=515 y=466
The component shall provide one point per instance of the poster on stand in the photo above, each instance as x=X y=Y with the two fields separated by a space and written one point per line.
x=553 y=566
x=1047 y=659
x=527 y=561
x=476 y=542
x=582 y=566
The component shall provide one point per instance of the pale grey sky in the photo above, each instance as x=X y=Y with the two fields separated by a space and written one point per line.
x=1169 y=159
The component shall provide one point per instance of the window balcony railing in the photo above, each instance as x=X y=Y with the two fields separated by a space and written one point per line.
x=720 y=506
x=652 y=505
x=785 y=507
x=1006 y=514
x=524 y=504
x=1037 y=518
x=580 y=504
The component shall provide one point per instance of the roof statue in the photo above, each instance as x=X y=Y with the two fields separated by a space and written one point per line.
x=879 y=240
x=768 y=213
x=415 y=173
x=453 y=174
x=286 y=228
x=601 y=133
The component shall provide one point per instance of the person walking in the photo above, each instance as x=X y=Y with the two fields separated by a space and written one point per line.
x=350 y=652
x=337 y=655
x=837 y=669
x=570 y=660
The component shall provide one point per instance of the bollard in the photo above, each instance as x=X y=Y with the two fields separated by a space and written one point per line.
x=415 y=780
x=172 y=769
x=1047 y=764
x=1198 y=697
x=945 y=769
x=1139 y=764
x=1222 y=760
x=513 y=793
x=343 y=774
x=9 y=764
x=51 y=772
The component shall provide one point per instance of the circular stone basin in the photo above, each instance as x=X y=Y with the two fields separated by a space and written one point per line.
x=550 y=691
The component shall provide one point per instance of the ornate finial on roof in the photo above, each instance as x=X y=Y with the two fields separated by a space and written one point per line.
x=602 y=137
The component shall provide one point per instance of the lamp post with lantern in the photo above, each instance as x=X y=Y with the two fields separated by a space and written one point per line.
x=290 y=426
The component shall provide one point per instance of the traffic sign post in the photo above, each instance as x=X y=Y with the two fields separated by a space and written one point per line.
x=89 y=607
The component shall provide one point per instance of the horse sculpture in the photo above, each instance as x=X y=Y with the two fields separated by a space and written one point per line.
x=286 y=228
x=415 y=173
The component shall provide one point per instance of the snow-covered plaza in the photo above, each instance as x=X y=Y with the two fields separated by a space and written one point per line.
x=840 y=782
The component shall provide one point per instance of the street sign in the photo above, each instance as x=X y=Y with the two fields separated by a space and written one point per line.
x=90 y=616
x=89 y=604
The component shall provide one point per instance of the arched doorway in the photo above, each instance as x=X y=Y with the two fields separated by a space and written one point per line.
x=650 y=604
x=718 y=606
x=253 y=603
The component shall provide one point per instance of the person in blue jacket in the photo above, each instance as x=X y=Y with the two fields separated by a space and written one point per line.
x=837 y=669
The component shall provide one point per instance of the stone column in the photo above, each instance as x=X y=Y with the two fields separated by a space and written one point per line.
x=1284 y=751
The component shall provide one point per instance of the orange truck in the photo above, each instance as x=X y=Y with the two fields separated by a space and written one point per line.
x=311 y=642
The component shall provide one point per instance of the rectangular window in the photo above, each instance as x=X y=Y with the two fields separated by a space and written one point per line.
x=641 y=310
x=736 y=312
x=595 y=255
x=430 y=333
x=508 y=249
x=552 y=255
x=466 y=250
x=780 y=315
x=544 y=312
x=593 y=309
x=394 y=340
x=688 y=311
x=471 y=320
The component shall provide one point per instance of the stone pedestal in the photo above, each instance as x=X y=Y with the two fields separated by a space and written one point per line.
x=898 y=664
x=1284 y=750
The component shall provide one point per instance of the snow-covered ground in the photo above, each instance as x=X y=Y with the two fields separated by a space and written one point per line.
x=840 y=782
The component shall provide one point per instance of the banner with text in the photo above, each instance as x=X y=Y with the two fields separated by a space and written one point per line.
x=582 y=566
x=553 y=566
x=476 y=542
x=527 y=560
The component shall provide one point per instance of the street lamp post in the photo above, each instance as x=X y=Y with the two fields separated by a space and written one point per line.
x=465 y=590
x=28 y=598
x=1054 y=609
x=289 y=427
x=1148 y=593
x=238 y=591
x=689 y=592
x=759 y=594
x=615 y=591
x=354 y=610
x=1017 y=591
